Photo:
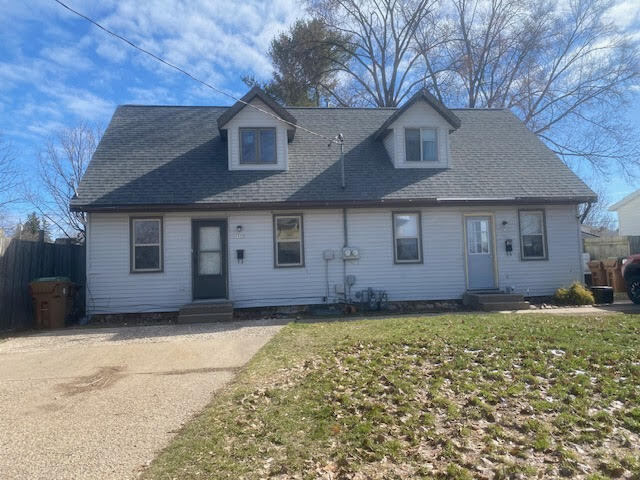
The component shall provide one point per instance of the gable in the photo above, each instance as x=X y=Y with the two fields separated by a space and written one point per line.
x=421 y=96
x=631 y=199
x=270 y=106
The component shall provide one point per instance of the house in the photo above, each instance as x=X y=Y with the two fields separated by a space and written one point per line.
x=590 y=231
x=251 y=205
x=628 y=210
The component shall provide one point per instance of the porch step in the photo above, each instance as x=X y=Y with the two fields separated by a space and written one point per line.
x=495 y=301
x=500 y=306
x=199 y=312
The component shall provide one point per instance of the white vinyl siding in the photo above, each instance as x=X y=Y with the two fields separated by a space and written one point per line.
x=255 y=282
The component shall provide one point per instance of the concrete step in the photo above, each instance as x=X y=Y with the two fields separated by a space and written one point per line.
x=500 y=297
x=500 y=306
x=478 y=299
x=200 y=312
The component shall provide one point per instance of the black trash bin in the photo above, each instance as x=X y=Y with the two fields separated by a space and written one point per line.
x=602 y=294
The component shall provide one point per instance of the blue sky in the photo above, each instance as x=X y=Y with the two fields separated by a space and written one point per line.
x=57 y=70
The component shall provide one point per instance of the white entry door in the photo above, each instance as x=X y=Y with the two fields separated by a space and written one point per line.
x=480 y=261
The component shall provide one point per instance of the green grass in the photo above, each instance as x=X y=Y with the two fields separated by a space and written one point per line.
x=452 y=397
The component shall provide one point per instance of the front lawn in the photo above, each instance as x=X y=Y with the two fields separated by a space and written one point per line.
x=457 y=396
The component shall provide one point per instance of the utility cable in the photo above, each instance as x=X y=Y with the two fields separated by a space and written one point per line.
x=181 y=70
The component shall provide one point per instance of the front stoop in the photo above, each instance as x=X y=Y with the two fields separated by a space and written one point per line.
x=495 y=301
x=206 y=312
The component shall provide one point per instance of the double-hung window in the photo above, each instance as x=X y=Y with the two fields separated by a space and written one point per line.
x=533 y=241
x=257 y=146
x=421 y=144
x=146 y=244
x=288 y=239
x=407 y=241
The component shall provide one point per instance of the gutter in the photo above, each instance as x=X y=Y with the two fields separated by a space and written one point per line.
x=293 y=205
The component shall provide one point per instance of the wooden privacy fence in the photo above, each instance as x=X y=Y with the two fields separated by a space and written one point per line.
x=606 y=247
x=23 y=261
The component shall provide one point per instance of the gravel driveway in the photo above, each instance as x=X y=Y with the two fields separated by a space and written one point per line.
x=98 y=403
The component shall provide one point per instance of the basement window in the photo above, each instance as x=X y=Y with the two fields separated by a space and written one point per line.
x=407 y=239
x=288 y=239
x=533 y=235
x=146 y=244
x=257 y=146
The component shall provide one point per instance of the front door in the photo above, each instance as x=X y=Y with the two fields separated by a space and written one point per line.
x=480 y=261
x=209 y=259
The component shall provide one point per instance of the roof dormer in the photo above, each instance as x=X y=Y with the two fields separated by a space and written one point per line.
x=417 y=134
x=258 y=131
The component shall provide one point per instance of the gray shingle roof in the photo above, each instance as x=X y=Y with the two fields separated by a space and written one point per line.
x=174 y=156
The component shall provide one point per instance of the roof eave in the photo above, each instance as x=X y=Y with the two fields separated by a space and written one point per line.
x=288 y=205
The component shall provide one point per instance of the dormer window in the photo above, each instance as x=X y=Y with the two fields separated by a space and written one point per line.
x=421 y=144
x=258 y=146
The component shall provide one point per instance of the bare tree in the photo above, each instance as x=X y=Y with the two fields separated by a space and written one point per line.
x=561 y=67
x=381 y=50
x=8 y=176
x=62 y=164
x=597 y=214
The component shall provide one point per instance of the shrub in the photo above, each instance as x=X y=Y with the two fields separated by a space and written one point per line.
x=576 y=294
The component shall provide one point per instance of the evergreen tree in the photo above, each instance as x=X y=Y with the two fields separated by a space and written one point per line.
x=31 y=227
x=304 y=61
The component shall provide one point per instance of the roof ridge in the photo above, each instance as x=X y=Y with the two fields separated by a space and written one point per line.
x=170 y=106
x=139 y=105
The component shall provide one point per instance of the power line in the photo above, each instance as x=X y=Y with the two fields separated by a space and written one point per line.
x=208 y=85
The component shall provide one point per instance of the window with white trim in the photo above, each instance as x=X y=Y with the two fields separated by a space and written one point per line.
x=288 y=239
x=258 y=146
x=533 y=241
x=421 y=144
x=146 y=244
x=407 y=238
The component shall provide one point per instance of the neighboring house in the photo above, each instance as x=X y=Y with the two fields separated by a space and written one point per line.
x=589 y=231
x=628 y=210
x=188 y=203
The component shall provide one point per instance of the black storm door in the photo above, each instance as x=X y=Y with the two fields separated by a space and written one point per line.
x=209 y=259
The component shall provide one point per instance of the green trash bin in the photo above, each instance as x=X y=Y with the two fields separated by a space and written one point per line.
x=52 y=301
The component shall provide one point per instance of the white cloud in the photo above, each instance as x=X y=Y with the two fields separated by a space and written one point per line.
x=69 y=57
x=85 y=105
x=150 y=96
x=224 y=35
x=624 y=13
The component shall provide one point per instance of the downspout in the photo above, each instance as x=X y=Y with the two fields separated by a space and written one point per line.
x=580 y=244
x=87 y=264
x=583 y=217
x=344 y=180
x=345 y=244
